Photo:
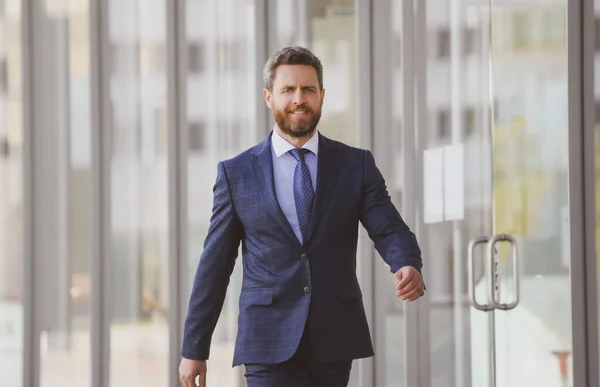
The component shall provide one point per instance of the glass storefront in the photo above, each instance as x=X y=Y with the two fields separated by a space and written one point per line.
x=63 y=167
x=221 y=122
x=138 y=266
x=465 y=107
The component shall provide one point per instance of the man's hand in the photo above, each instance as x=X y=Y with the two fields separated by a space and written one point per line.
x=189 y=369
x=409 y=283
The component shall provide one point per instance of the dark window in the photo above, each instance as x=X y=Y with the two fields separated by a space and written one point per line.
x=196 y=57
x=196 y=136
x=597 y=37
x=3 y=75
x=4 y=148
x=443 y=43
x=597 y=108
x=397 y=52
x=443 y=128
x=469 y=121
x=470 y=42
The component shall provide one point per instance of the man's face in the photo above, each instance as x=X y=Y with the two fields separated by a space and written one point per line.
x=295 y=99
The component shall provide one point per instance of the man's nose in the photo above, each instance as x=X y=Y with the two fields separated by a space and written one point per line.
x=298 y=96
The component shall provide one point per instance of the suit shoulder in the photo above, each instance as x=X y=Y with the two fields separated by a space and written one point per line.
x=239 y=160
x=237 y=166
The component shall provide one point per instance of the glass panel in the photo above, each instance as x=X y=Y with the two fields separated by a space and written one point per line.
x=11 y=195
x=139 y=334
x=389 y=152
x=523 y=192
x=61 y=165
x=327 y=27
x=530 y=174
x=452 y=179
x=221 y=118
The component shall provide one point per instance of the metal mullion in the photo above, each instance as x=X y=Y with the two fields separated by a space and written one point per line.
x=177 y=158
x=31 y=335
x=421 y=129
x=182 y=142
x=100 y=149
x=410 y=166
x=582 y=119
x=364 y=117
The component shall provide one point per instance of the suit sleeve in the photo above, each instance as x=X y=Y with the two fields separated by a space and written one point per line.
x=213 y=272
x=393 y=239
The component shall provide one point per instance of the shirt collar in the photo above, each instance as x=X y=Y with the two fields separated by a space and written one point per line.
x=281 y=146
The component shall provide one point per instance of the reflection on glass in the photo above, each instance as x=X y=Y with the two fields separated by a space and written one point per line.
x=11 y=197
x=65 y=335
x=328 y=29
x=454 y=145
x=221 y=120
x=522 y=192
x=391 y=156
x=139 y=335
x=530 y=175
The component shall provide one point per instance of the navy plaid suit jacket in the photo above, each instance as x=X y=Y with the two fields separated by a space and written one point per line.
x=286 y=283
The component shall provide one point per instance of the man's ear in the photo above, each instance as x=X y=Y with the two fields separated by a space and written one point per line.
x=268 y=98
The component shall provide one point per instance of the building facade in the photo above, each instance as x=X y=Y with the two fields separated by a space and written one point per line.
x=481 y=116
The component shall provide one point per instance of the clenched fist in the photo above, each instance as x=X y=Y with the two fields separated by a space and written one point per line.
x=189 y=369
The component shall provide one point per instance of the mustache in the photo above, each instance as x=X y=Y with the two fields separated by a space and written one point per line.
x=297 y=108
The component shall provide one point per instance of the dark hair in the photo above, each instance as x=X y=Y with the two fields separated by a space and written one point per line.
x=291 y=56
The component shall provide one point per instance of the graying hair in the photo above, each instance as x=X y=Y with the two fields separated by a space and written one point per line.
x=291 y=56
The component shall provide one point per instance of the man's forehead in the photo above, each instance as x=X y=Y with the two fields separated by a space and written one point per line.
x=305 y=75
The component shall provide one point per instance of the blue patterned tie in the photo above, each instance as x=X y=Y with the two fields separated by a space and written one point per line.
x=303 y=190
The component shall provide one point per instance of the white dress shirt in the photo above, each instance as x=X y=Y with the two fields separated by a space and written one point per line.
x=284 y=165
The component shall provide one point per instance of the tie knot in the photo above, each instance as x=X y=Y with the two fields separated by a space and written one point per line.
x=298 y=153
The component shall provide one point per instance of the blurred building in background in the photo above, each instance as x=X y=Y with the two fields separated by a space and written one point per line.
x=482 y=117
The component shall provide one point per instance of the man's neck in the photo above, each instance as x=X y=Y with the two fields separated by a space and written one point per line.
x=298 y=142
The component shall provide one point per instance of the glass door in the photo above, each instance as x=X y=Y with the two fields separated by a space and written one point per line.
x=520 y=315
x=475 y=148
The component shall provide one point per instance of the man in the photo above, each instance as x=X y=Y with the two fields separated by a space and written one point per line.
x=295 y=201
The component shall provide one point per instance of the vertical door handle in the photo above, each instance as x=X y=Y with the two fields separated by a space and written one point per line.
x=483 y=307
x=494 y=274
x=471 y=268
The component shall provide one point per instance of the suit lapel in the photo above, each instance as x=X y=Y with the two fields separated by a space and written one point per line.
x=262 y=168
x=327 y=174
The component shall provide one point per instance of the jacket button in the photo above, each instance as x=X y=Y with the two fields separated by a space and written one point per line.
x=304 y=257
x=306 y=289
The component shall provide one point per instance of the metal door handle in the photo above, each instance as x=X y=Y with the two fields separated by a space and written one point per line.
x=494 y=275
x=471 y=268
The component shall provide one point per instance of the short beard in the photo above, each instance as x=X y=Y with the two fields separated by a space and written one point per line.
x=300 y=129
